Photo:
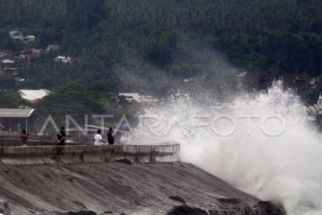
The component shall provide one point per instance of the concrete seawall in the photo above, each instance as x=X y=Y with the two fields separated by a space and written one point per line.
x=14 y=141
x=89 y=180
x=44 y=154
x=119 y=188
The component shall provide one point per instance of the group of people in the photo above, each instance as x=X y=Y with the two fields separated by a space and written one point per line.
x=98 y=139
x=61 y=135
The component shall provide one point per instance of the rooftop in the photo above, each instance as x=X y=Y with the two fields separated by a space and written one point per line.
x=16 y=112
x=33 y=95
x=132 y=96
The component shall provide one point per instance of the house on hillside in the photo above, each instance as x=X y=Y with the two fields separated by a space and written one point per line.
x=52 y=48
x=29 y=39
x=19 y=79
x=129 y=97
x=8 y=64
x=8 y=61
x=30 y=53
x=33 y=95
x=63 y=59
x=16 y=35
x=136 y=97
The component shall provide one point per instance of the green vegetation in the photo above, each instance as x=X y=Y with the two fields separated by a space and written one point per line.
x=269 y=39
x=74 y=99
x=11 y=100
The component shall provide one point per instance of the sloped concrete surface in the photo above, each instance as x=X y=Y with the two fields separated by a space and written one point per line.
x=116 y=188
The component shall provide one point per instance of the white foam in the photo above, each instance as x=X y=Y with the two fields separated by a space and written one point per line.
x=286 y=167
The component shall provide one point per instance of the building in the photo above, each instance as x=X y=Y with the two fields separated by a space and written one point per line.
x=8 y=61
x=14 y=119
x=136 y=97
x=30 y=53
x=33 y=95
x=29 y=39
x=63 y=59
x=8 y=64
x=52 y=48
x=129 y=97
x=19 y=79
x=16 y=35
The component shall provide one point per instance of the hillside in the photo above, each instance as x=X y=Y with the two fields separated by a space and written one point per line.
x=158 y=47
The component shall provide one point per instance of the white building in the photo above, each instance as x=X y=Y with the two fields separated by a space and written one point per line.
x=130 y=97
x=63 y=59
x=8 y=64
x=29 y=39
x=52 y=48
x=8 y=61
x=33 y=95
x=16 y=35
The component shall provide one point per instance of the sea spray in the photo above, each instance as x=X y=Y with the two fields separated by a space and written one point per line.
x=261 y=143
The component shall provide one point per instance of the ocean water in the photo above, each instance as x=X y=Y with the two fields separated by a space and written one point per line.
x=262 y=143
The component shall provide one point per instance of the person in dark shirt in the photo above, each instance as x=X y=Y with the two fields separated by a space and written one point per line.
x=60 y=142
x=61 y=136
x=24 y=137
x=110 y=137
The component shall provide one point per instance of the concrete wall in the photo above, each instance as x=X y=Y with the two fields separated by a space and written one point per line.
x=44 y=154
x=11 y=141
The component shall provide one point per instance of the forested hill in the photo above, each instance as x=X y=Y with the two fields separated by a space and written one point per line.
x=141 y=45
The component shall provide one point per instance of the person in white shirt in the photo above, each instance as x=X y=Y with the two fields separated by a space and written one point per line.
x=98 y=140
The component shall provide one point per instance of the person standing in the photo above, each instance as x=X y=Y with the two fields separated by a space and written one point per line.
x=24 y=137
x=98 y=139
x=110 y=137
x=61 y=136
x=60 y=143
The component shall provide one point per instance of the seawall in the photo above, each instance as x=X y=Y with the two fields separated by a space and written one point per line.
x=50 y=154
x=118 y=179
x=121 y=188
